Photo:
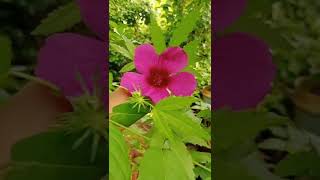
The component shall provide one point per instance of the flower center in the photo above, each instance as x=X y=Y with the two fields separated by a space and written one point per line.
x=159 y=78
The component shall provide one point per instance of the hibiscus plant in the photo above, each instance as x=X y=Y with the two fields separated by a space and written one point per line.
x=165 y=125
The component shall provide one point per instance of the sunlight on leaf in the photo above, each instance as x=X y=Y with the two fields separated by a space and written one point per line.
x=128 y=67
x=121 y=50
x=172 y=163
x=185 y=27
x=157 y=36
x=191 y=49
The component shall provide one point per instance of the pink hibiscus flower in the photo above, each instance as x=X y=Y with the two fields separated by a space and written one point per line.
x=159 y=75
x=242 y=64
x=66 y=59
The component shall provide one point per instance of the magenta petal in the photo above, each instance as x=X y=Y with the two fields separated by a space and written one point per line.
x=225 y=12
x=174 y=59
x=132 y=81
x=155 y=94
x=65 y=55
x=94 y=14
x=243 y=71
x=145 y=57
x=182 y=84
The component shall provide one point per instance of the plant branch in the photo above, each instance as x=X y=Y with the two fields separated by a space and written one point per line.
x=202 y=166
x=33 y=78
x=130 y=130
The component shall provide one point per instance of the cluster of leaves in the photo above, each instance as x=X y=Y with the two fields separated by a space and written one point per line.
x=300 y=26
x=297 y=23
x=290 y=28
x=129 y=12
x=167 y=155
x=169 y=18
x=127 y=19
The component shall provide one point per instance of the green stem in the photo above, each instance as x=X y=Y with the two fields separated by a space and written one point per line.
x=202 y=166
x=33 y=78
x=130 y=130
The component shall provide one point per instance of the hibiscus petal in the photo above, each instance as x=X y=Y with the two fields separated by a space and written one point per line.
x=174 y=59
x=155 y=94
x=225 y=12
x=132 y=81
x=94 y=14
x=243 y=71
x=183 y=84
x=145 y=57
x=65 y=56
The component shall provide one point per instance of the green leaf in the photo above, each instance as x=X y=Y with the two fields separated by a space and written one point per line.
x=191 y=49
x=170 y=163
x=129 y=44
x=162 y=124
x=157 y=36
x=299 y=164
x=50 y=156
x=175 y=103
x=185 y=27
x=118 y=156
x=121 y=50
x=258 y=167
x=184 y=126
x=258 y=28
x=171 y=118
x=110 y=80
x=126 y=114
x=204 y=174
x=206 y=114
x=5 y=57
x=59 y=20
x=234 y=128
x=128 y=67
x=274 y=144
x=151 y=170
x=201 y=157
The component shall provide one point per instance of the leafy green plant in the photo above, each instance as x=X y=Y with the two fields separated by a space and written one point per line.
x=173 y=127
x=171 y=130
